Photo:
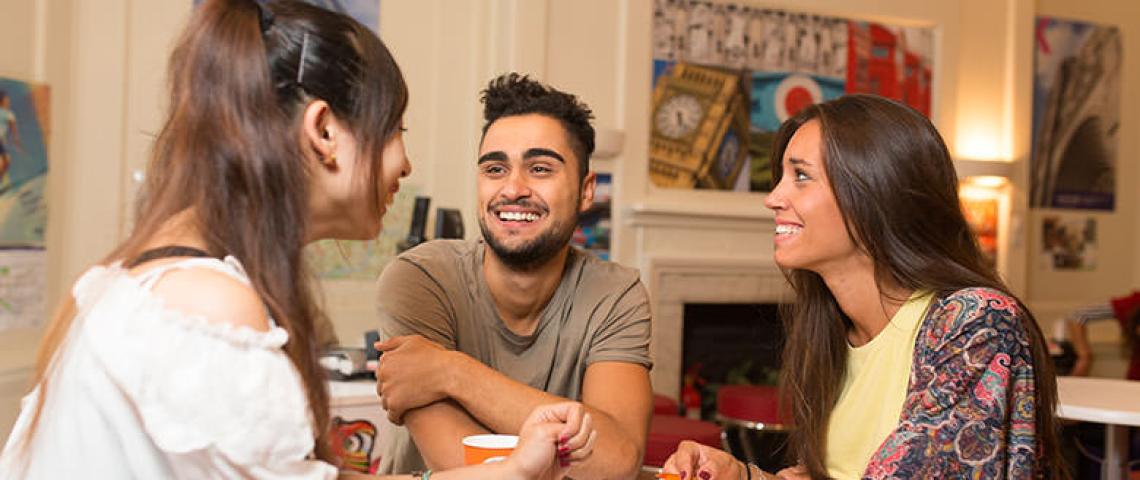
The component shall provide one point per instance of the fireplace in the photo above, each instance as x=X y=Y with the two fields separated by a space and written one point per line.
x=750 y=287
x=714 y=251
x=737 y=343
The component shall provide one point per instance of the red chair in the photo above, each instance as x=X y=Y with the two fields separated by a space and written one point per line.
x=664 y=405
x=667 y=431
x=752 y=411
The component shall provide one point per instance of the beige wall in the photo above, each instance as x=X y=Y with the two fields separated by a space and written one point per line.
x=105 y=63
x=1118 y=270
x=37 y=39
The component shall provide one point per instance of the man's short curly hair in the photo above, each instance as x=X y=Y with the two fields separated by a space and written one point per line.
x=513 y=94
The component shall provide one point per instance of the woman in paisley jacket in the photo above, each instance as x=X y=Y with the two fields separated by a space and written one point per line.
x=906 y=356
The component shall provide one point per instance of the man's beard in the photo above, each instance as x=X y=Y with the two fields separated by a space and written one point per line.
x=533 y=253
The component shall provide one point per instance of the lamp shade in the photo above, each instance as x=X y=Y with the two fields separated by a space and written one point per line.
x=968 y=168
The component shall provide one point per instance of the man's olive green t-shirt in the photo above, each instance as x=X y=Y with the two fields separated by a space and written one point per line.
x=599 y=312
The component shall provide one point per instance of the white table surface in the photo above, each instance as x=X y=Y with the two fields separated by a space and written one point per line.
x=353 y=392
x=1101 y=400
x=1115 y=403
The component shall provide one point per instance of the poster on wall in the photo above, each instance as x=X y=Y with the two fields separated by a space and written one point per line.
x=24 y=118
x=1076 y=115
x=594 y=227
x=727 y=74
x=982 y=215
x=364 y=260
x=367 y=12
x=1068 y=243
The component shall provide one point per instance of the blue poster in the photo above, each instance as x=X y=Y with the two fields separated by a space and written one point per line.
x=23 y=163
x=594 y=225
x=24 y=117
x=1076 y=115
x=367 y=12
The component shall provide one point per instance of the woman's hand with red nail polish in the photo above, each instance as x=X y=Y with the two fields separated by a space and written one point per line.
x=696 y=461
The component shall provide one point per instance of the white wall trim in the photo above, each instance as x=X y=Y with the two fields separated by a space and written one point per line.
x=716 y=278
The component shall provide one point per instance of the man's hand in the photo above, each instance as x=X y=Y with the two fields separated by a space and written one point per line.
x=413 y=372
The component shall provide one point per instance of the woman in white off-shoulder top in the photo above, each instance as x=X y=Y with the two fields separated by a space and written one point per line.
x=189 y=351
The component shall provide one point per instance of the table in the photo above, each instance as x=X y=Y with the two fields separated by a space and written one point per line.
x=1115 y=403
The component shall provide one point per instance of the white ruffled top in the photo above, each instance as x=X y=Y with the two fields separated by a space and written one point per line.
x=141 y=390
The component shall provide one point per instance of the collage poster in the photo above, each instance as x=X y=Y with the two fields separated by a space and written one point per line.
x=593 y=232
x=982 y=215
x=727 y=74
x=364 y=260
x=24 y=119
x=1068 y=243
x=367 y=12
x=1076 y=115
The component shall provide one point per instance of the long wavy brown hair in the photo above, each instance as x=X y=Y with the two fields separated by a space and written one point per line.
x=231 y=150
x=896 y=187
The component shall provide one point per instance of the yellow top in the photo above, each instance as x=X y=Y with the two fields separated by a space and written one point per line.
x=873 y=391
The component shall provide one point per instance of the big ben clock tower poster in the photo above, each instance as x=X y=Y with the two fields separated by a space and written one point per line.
x=727 y=74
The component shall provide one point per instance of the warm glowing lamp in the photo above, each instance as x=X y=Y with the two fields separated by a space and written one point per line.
x=985 y=200
x=983 y=173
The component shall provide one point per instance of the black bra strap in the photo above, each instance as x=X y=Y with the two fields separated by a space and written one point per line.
x=165 y=252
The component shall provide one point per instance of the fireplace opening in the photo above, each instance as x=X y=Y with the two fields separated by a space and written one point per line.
x=727 y=344
x=731 y=344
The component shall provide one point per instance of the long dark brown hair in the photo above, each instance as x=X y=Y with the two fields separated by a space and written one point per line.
x=231 y=150
x=896 y=187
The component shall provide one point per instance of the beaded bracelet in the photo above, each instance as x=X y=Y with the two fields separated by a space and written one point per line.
x=748 y=471
x=761 y=474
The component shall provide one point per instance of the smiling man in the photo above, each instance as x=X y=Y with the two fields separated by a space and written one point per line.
x=480 y=332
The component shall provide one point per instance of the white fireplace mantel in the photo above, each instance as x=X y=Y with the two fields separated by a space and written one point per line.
x=691 y=253
x=674 y=281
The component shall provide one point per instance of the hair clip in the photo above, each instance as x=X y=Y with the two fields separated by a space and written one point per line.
x=265 y=16
x=301 y=62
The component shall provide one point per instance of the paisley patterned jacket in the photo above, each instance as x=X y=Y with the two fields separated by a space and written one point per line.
x=970 y=405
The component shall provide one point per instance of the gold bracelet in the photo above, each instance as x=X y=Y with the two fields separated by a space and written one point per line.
x=762 y=475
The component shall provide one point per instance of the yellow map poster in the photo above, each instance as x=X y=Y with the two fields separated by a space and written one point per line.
x=363 y=260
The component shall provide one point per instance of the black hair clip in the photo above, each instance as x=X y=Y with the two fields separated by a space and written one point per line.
x=264 y=15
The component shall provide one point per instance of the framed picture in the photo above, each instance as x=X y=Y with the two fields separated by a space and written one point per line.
x=24 y=119
x=1076 y=115
x=727 y=74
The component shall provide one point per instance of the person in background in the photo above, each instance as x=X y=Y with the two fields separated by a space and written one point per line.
x=1125 y=310
x=907 y=357
x=1088 y=437
x=189 y=351
x=478 y=332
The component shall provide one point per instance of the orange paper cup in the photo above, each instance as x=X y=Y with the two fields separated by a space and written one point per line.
x=487 y=448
